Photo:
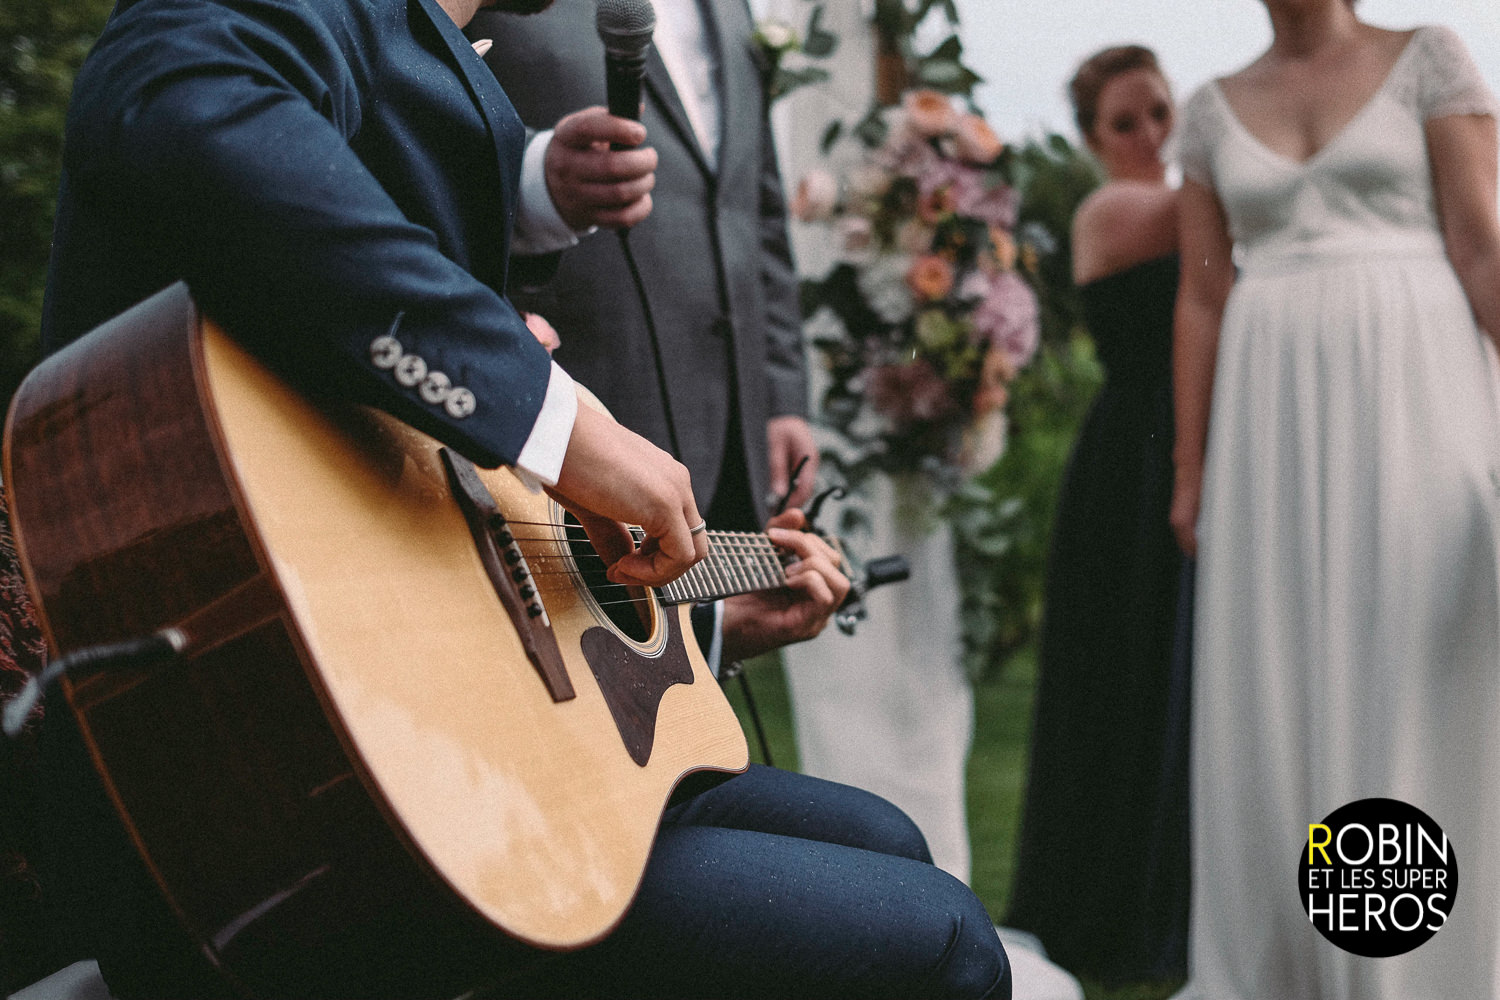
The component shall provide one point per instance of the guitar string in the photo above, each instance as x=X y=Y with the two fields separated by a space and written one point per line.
x=740 y=544
x=724 y=549
x=573 y=532
x=779 y=554
x=713 y=533
x=713 y=585
x=766 y=571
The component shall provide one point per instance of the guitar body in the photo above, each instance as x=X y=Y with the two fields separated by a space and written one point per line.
x=354 y=695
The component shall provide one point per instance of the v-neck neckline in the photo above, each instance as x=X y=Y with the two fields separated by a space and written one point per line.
x=1339 y=133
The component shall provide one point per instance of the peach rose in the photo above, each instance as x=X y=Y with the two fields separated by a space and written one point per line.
x=929 y=113
x=817 y=195
x=977 y=142
x=1005 y=248
x=930 y=278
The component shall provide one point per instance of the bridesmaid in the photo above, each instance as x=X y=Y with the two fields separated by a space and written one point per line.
x=1102 y=871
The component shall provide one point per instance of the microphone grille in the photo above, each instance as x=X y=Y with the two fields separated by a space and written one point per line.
x=625 y=26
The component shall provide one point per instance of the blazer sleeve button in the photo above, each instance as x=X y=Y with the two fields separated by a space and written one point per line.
x=411 y=370
x=385 y=352
x=435 y=388
x=460 y=403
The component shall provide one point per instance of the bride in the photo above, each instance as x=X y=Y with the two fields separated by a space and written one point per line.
x=1337 y=471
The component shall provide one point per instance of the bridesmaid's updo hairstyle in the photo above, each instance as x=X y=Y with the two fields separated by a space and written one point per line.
x=1096 y=71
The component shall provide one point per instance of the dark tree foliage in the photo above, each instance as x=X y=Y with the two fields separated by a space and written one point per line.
x=42 y=43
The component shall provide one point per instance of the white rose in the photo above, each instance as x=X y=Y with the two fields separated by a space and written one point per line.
x=775 y=34
x=884 y=287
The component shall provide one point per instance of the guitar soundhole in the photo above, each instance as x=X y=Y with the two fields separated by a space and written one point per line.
x=627 y=608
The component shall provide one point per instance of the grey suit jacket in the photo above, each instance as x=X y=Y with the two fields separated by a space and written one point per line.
x=713 y=256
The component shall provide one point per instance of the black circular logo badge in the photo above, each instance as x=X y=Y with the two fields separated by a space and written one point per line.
x=1378 y=877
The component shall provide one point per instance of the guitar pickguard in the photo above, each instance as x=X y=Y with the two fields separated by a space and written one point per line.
x=633 y=683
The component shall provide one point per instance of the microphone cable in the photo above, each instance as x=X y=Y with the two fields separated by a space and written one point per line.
x=139 y=652
x=657 y=358
x=726 y=671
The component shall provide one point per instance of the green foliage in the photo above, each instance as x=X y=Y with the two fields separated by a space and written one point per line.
x=818 y=41
x=996 y=780
x=896 y=21
x=1002 y=518
x=1053 y=178
x=776 y=40
x=42 y=43
x=943 y=70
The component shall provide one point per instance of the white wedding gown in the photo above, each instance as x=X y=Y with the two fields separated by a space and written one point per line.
x=1348 y=602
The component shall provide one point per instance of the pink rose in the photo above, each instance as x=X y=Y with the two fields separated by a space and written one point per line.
x=1009 y=318
x=945 y=187
x=907 y=153
x=817 y=195
x=975 y=286
x=998 y=205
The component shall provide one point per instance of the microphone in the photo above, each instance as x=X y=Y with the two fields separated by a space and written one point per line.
x=625 y=28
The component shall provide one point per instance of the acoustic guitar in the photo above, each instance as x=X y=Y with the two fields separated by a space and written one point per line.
x=391 y=666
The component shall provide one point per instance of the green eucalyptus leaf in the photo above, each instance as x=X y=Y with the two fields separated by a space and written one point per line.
x=819 y=42
x=831 y=136
x=872 y=129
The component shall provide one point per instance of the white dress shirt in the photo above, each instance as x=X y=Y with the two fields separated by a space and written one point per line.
x=687 y=49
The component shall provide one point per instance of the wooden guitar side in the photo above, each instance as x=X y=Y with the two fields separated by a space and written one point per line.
x=354 y=695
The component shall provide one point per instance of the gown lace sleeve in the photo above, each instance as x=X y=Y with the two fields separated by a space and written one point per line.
x=1449 y=81
x=1196 y=136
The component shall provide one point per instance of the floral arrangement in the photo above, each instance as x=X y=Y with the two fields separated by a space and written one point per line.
x=927 y=316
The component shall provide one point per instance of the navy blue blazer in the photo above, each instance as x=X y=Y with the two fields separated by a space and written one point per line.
x=323 y=174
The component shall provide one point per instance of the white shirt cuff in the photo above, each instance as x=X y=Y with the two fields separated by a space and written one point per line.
x=541 y=458
x=539 y=229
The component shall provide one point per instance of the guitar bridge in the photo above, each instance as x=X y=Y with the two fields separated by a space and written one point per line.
x=509 y=574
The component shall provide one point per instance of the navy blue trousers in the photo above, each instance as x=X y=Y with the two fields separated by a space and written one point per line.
x=770 y=884
x=776 y=884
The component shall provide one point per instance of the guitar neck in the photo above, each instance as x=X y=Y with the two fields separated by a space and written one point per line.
x=738 y=562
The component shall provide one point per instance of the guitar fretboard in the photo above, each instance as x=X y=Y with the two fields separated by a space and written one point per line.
x=738 y=562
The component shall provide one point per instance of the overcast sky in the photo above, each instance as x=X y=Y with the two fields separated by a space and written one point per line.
x=1027 y=49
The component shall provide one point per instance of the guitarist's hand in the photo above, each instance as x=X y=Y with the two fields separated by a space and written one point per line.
x=612 y=477
x=760 y=622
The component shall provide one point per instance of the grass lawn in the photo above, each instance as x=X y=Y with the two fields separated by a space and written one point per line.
x=997 y=773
